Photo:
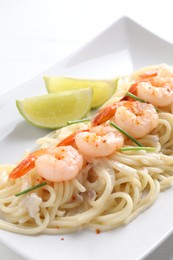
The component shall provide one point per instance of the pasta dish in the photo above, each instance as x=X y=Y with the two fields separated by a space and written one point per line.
x=97 y=174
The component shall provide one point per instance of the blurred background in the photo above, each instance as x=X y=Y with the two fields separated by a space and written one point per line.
x=36 y=34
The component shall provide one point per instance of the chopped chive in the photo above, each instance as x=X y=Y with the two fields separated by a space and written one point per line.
x=138 y=99
x=134 y=97
x=30 y=189
x=126 y=134
x=132 y=148
x=78 y=121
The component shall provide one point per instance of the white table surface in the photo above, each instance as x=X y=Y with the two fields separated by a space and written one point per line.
x=35 y=34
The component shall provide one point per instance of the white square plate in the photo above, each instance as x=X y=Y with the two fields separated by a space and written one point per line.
x=123 y=47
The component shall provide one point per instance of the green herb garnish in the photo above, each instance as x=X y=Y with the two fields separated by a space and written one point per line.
x=132 y=148
x=78 y=121
x=30 y=189
x=138 y=99
x=134 y=97
x=126 y=134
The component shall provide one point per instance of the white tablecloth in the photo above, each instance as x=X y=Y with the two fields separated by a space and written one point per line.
x=35 y=34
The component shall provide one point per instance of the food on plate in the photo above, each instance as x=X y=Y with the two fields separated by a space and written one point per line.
x=136 y=118
x=98 y=174
x=55 y=110
x=102 y=89
x=155 y=86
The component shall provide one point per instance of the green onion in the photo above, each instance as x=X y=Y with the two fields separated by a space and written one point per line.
x=132 y=148
x=78 y=121
x=138 y=99
x=30 y=189
x=126 y=134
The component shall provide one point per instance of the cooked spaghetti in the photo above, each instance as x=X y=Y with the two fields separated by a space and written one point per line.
x=93 y=176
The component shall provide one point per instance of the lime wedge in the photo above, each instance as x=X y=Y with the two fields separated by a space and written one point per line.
x=102 y=89
x=122 y=86
x=55 y=110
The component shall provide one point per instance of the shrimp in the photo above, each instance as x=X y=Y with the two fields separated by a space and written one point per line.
x=155 y=87
x=60 y=164
x=54 y=164
x=142 y=78
x=137 y=118
x=157 y=91
x=29 y=162
x=100 y=141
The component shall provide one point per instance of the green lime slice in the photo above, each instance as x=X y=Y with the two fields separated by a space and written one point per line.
x=102 y=89
x=55 y=110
